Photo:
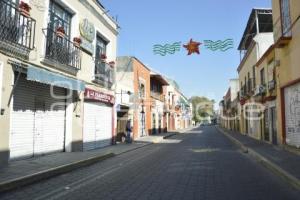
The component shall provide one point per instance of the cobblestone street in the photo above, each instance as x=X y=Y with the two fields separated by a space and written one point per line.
x=200 y=164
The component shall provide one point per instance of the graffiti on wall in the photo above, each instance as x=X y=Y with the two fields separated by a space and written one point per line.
x=292 y=114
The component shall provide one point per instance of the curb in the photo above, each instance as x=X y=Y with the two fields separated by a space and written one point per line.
x=295 y=182
x=39 y=176
x=133 y=149
x=170 y=135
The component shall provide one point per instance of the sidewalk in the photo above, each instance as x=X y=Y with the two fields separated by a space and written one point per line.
x=23 y=172
x=157 y=138
x=284 y=163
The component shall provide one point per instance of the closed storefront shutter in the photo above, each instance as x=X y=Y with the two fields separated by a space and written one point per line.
x=97 y=125
x=37 y=121
x=292 y=114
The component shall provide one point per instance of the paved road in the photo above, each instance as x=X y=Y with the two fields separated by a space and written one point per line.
x=202 y=164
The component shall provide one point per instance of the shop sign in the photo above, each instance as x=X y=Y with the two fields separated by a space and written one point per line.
x=87 y=32
x=99 y=96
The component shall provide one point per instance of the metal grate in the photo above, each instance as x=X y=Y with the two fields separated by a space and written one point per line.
x=104 y=74
x=61 y=50
x=17 y=32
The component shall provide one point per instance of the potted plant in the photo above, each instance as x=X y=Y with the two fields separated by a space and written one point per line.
x=112 y=64
x=24 y=9
x=60 y=32
x=103 y=57
x=77 y=41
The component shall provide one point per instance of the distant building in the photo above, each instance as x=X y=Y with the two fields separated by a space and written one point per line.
x=133 y=96
x=257 y=38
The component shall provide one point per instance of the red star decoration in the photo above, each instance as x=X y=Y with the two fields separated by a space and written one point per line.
x=192 y=47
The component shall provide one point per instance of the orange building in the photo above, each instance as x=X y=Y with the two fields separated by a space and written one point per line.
x=133 y=96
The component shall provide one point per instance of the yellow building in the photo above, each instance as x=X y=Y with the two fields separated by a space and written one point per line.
x=286 y=14
x=267 y=78
x=257 y=38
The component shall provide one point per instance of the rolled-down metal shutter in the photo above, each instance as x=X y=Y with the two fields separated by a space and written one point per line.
x=97 y=125
x=37 y=120
x=292 y=114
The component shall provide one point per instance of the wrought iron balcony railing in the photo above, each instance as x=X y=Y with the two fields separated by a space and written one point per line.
x=17 y=32
x=60 y=50
x=104 y=74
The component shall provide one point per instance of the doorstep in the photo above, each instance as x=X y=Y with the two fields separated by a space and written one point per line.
x=24 y=172
x=282 y=162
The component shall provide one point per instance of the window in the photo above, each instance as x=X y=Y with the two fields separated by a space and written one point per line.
x=100 y=47
x=245 y=86
x=271 y=71
x=285 y=18
x=249 y=82
x=103 y=72
x=59 y=17
x=262 y=77
x=142 y=90
x=254 y=76
x=155 y=87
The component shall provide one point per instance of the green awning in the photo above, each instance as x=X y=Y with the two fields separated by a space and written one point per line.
x=51 y=78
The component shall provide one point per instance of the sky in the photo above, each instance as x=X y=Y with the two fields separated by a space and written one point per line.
x=145 y=23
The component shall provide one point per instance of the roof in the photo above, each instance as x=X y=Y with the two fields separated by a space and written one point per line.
x=134 y=58
x=173 y=83
x=159 y=78
x=265 y=24
x=100 y=4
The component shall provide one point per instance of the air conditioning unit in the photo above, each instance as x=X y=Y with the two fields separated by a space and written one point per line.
x=259 y=90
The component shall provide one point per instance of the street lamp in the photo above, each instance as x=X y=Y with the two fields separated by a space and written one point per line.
x=143 y=117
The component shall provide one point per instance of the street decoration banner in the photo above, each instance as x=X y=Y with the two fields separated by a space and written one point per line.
x=193 y=47
x=167 y=48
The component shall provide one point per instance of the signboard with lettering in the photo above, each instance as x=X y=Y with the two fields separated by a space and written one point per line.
x=87 y=32
x=99 y=96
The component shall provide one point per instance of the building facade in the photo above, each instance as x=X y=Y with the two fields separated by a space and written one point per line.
x=257 y=38
x=54 y=66
x=158 y=111
x=269 y=75
x=133 y=96
x=286 y=15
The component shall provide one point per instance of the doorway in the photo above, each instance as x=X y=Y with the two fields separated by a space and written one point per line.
x=273 y=125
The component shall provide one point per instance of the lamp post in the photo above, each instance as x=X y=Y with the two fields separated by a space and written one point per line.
x=143 y=117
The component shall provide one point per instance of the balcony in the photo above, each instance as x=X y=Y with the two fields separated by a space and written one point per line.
x=281 y=37
x=17 y=32
x=243 y=92
x=104 y=74
x=260 y=90
x=157 y=95
x=61 y=52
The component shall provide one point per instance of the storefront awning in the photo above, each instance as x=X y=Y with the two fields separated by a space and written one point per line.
x=47 y=77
